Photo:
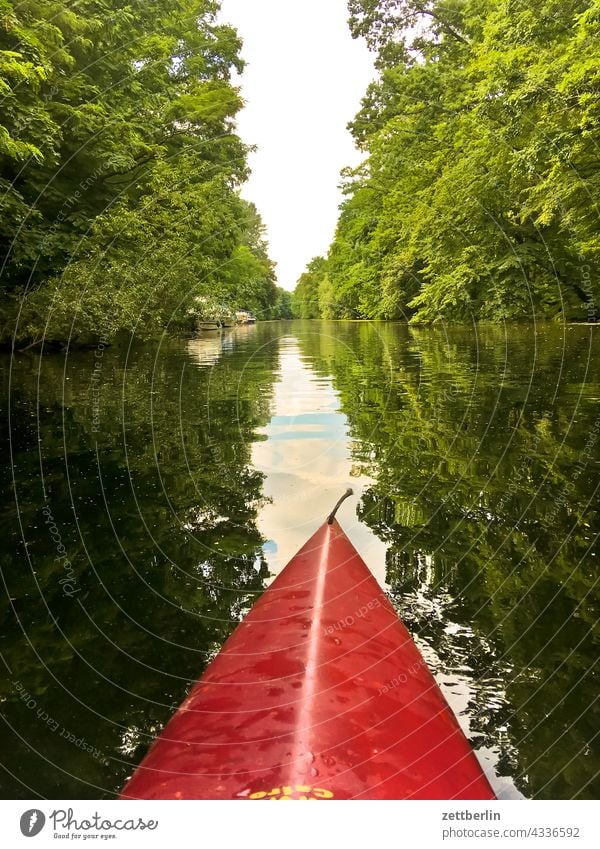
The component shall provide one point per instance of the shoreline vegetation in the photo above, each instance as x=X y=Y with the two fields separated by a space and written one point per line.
x=120 y=171
x=477 y=199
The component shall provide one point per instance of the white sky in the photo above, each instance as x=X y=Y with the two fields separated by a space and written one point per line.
x=304 y=80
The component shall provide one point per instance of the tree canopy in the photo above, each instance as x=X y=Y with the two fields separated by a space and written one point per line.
x=477 y=199
x=120 y=167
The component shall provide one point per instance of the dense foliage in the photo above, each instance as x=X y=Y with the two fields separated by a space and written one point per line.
x=478 y=195
x=120 y=168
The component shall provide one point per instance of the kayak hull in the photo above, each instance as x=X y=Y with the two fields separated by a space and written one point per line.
x=320 y=693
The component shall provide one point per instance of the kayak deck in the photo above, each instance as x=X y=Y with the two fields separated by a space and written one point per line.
x=320 y=693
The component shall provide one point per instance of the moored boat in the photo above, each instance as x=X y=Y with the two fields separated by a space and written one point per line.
x=245 y=317
x=320 y=693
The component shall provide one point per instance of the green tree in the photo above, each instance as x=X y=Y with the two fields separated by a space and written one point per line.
x=120 y=166
x=477 y=196
x=283 y=307
x=305 y=299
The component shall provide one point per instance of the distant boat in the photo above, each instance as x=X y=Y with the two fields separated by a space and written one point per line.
x=245 y=317
x=220 y=323
x=209 y=325
x=209 y=315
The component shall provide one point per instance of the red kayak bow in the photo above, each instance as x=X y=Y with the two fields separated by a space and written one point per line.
x=320 y=693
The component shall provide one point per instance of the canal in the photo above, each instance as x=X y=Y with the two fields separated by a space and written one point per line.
x=152 y=491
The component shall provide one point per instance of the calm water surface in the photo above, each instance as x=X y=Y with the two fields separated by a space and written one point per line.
x=155 y=489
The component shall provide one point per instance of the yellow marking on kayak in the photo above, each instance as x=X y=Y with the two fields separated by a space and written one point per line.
x=300 y=792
